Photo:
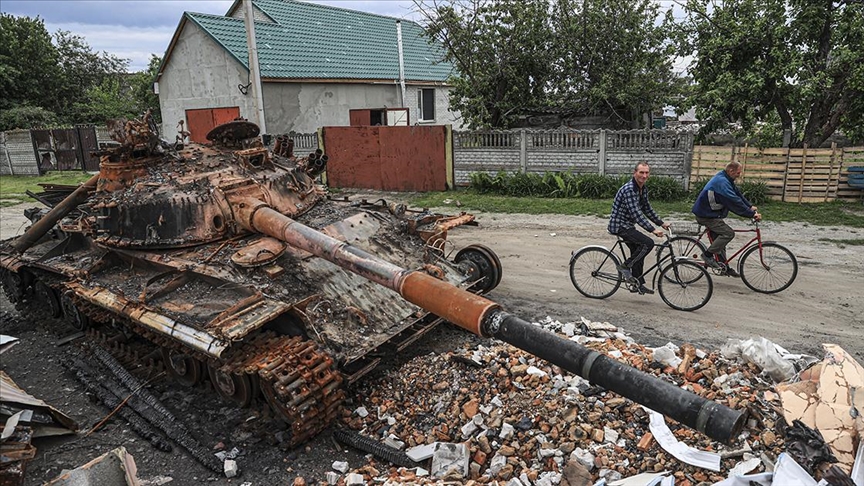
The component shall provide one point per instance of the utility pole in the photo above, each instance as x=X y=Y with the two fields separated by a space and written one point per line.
x=254 y=71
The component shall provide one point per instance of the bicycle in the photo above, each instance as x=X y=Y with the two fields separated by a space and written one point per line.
x=774 y=270
x=681 y=283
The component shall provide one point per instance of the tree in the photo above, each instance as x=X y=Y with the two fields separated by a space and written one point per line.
x=501 y=50
x=799 y=63
x=615 y=56
x=28 y=63
x=591 y=56
x=83 y=73
x=142 y=89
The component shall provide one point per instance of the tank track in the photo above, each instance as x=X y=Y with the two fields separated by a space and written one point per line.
x=295 y=377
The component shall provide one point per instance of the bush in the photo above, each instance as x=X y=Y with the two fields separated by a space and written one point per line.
x=667 y=189
x=26 y=117
x=755 y=191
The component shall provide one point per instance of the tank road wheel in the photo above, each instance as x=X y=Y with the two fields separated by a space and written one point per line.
x=73 y=315
x=14 y=285
x=237 y=388
x=46 y=299
x=482 y=265
x=185 y=369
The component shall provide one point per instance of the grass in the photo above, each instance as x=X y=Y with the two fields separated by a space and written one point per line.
x=838 y=213
x=13 y=189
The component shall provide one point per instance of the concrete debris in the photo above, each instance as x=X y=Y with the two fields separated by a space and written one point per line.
x=340 y=466
x=331 y=477
x=829 y=398
x=116 y=467
x=450 y=460
x=230 y=468
x=516 y=419
x=355 y=479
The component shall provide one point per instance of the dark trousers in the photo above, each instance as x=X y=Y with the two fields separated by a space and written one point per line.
x=721 y=233
x=640 y=244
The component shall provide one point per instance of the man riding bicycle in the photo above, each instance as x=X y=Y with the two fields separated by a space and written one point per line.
x=715 y=201
x=631 y=206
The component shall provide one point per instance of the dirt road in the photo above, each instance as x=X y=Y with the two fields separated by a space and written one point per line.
x=824 y=304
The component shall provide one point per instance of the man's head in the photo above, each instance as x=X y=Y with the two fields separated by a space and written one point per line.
x=734 y=169
x=641 y=173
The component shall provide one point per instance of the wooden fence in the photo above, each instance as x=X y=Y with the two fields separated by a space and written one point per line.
x=794 y=175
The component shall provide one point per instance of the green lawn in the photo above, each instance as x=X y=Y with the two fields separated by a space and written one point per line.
x=13 y=189
x=841 y=213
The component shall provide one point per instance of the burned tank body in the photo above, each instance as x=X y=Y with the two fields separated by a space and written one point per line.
x=233 y=262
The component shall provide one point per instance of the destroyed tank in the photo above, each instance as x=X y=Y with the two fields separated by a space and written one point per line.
x=228 y=263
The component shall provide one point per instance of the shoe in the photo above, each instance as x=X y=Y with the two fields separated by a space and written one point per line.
x=625 y=272
x=732 y=273
x=641 y=289
x=709 y=260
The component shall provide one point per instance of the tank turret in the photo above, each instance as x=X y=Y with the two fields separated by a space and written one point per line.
x=231 y=264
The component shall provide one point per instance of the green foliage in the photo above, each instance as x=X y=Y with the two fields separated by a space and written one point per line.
x=590 y=56
x=26 y=116
x=569 y=185
x=755 y=191
x=58 y=79
x=696 y=187
x=666 y=189
x=29 y=67
x=795 y=64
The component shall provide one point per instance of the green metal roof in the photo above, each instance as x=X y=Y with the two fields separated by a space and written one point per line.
x=322 y=42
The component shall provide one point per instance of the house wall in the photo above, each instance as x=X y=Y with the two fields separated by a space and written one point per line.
x=200 y=74
x=304 y=107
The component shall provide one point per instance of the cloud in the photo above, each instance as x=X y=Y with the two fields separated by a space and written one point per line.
x=148 y=13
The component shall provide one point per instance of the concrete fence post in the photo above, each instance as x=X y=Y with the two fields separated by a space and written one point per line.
x=601 y=154
x=523 y=150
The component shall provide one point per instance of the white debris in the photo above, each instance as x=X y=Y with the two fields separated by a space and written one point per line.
x=449 y=456
x=497 y=463
x=610 y=435
x=362 y=412
x=507 y=431
x=468 y=429
x=340 y=466
x=421 y=452
x=354 y=479
x=394 y=442
x=584 y=457
x=666 y=355
x=331 y=477
x=535 y=371
x=230 y=468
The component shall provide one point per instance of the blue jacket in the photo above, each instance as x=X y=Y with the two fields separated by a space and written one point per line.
x=720 y=196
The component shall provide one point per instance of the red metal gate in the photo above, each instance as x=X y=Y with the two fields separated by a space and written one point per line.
x=388 y=158
x=200 y=122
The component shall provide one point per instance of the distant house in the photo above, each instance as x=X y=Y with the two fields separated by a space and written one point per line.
x=317 y=63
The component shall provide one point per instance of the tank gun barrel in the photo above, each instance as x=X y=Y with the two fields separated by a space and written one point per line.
x=486 y=318
x=44 y=225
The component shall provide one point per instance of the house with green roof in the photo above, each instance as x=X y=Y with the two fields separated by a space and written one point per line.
x=316 y=62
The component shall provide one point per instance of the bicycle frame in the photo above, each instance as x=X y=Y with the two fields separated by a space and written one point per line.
x=757 y=239
x=657 y=264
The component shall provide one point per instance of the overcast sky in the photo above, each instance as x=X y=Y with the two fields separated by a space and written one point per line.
x=135 y=29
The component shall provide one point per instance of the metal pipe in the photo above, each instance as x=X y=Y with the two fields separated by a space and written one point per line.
x=711 y=418
x=401 y=60
x=44 y=225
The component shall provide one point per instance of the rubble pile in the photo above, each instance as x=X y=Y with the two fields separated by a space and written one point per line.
x=497 y=415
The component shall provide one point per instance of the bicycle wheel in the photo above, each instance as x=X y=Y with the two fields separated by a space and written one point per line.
x=593 y=272
x=770 y=270
x=687 y=246
x=685 y=286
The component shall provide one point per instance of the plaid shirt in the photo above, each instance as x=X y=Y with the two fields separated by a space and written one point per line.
x=630 y=207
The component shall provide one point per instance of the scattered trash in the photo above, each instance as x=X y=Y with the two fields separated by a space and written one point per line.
x=116 y=468
x=43 y=418
x=7 y=342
